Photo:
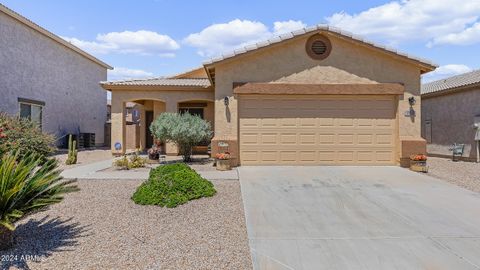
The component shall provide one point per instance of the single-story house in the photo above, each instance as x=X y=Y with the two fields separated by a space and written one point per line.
x=451 y=107
x=49 y=80
x=318 y=95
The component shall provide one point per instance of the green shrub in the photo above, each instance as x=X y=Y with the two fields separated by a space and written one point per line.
x=166 y=169
x=185 y=130
x=124 y=163
x=172 y=185
x=23 y=136
x=28 y=185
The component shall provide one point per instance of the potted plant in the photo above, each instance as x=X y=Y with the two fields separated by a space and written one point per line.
x=154 y=152
x=223 y=161
x=418 y=163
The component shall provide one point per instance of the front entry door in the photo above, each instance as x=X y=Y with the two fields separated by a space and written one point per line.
x=148 y=122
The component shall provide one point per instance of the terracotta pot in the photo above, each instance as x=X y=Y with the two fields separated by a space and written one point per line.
x=223 y=165
x=419 y=166
x=6 y=238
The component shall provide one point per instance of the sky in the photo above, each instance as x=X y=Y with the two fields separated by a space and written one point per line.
x=148 y=38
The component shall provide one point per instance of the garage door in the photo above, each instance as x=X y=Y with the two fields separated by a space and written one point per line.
x=309 y=130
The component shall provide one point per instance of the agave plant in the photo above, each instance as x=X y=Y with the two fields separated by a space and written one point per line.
x=26 y=186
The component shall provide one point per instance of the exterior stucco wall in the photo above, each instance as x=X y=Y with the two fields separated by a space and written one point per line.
x=452 y=119
x=209 y=114
x=33 y=66
x=157 y=100
x=288 y=62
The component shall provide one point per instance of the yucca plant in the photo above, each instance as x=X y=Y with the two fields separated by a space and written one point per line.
x=27 y=185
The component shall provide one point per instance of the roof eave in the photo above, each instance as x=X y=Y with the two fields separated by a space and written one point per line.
x=424 y=65
x=111 y=87
x=452 y=90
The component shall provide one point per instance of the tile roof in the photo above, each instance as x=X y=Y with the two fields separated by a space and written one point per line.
x=306 y=30
x=465 y=79
x=163 y=81
x=127 y=105
x=51 y=35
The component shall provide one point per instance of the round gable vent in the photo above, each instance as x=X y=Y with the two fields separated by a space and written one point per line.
x=318 y=47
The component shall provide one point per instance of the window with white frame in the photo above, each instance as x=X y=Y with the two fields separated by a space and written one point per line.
x=31 y=109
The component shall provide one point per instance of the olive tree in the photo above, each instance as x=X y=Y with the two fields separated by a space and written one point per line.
x=184 y=130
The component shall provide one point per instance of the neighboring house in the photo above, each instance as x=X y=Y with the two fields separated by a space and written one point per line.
x=47 y=79
x=450 y=108
x=132 y=116
x=315 y=96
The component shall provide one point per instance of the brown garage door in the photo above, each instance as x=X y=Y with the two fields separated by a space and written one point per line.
x=309 y=130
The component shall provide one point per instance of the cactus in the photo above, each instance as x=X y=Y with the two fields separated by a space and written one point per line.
x=72 y=151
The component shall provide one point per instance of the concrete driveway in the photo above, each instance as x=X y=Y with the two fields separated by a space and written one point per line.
x=358 y=218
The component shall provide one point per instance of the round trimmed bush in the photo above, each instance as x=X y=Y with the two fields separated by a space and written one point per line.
x=172 y=185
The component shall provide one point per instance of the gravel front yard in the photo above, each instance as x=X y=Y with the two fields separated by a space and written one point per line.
x=464 y=174
x=85 y=157
x=101 y=228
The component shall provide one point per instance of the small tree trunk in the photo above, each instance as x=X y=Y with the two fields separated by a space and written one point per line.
x=6 y=238
x=186 y=152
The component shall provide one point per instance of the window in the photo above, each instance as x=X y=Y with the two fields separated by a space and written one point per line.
x=192 y=111
x=32 y=112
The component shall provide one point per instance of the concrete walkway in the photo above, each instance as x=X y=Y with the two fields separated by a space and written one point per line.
x=358 y=218
x=97 y=171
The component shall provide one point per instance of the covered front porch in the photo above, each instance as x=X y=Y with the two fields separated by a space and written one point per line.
x=193 y=95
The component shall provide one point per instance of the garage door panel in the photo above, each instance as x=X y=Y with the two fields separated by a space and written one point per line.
x=269 y=156
x=345 y=139
x=269 y=138
x=317 y=130
x=385 y=139
x=307 y=138
x=249 y=138
x=288 y=138
x=328 y=138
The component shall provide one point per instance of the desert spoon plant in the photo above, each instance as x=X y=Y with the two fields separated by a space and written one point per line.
x=26 y=186
x=72 y=151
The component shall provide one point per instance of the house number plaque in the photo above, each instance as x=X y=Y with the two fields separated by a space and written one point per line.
x=222 y=144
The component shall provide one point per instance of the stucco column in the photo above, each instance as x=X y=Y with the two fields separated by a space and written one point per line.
x=118 y=135
x=226 y=125
x=143 y=134
x=170 y=148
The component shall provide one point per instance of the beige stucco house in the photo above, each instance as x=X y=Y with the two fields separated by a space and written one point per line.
x=314 y=96
x=450 y=110
x=49 y=80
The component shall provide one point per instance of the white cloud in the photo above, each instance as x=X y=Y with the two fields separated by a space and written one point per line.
x=445 y=71
x=224 y=37
x=468 y=36
x=141 y=42
x=287 y=26
x=121 y=73
x=420 y=20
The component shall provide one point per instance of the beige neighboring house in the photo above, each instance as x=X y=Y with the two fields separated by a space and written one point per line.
x=450 y=109
x=318 y=95
x=49 y=80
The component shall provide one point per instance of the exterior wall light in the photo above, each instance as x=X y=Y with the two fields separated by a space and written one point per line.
x=226 y=101
x=411 y=101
